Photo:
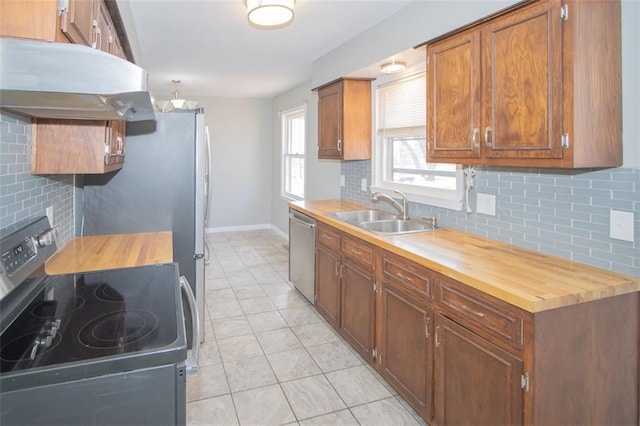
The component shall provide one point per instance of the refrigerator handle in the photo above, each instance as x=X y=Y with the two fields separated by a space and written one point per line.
x=207 y=175
x=192 y=361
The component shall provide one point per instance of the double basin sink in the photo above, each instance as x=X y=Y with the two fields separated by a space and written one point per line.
x=383 y=223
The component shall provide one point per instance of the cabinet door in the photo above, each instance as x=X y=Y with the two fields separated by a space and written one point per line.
x=522 y=83
x=357 y=319
x=328 y=284
x=406 y=350
x=475 y=381
x=78 y=22
x=330 y=121
x=453 y=106
x=102 y=34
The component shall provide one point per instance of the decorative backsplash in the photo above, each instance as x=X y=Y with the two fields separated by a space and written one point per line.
x=562 y=213
x=23 y=195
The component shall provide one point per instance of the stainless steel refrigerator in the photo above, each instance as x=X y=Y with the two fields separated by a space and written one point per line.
x=163 y=186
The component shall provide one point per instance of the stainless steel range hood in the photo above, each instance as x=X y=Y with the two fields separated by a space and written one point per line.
x=71 y=81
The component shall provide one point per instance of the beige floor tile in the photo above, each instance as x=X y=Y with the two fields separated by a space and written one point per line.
x=256 y=305
x=333 y=356
x=224 y=309
x=249 y=292
x=300 y=316
x=315 y=334
x=209 y=382
x=249 y=373
x=280 y=340
x=209 y=353
x=266 y=321
x=293 y=364
x=212 y=412
x=263 y=406
x=239 y=347
x=356 y=385
x=312 y=396
x=290 y=299
x=276 y=288
x=338 y=418
x=230 y=327
x=385 y=412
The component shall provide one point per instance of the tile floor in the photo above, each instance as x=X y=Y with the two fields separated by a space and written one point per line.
x=269 y=358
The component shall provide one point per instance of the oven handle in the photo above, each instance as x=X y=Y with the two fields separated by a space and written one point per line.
x=192 y=362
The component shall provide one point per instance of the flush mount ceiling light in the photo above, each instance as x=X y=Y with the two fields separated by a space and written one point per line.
x=393 y=67
x=269 y=14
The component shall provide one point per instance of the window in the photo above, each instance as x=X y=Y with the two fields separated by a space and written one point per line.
x=400 y=151
x=293 y=147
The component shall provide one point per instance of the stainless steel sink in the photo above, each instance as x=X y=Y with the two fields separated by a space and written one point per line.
x=356 y=217
x=397 y=226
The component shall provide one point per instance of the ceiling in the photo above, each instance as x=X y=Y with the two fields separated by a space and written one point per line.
x=210 y=47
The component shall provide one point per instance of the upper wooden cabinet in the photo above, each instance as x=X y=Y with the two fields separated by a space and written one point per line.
x=523 y=89
x=77 y=147
x=86 y=22
x=344 y=120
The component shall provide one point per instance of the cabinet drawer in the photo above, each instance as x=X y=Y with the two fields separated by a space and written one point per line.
x=483 y=315
x=358 y=251
x=328 y=236
x=408 y=273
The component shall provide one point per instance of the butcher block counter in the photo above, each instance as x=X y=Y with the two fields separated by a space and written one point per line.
x=529 y=280
x=102 y=252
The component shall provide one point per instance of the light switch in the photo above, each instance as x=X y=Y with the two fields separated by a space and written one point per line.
x=363 y=185
x=486 y=204
x=621 y=225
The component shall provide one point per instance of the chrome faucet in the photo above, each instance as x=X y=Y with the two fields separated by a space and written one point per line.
x=402 y=208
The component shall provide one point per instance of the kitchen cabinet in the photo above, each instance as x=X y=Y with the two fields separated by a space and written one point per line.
x=79 y=22
x=476 y=382
x=87 y=22
x=358 y=291
x=405 y=353
x=344 y=119
x=328 y=261
x=522 y=89
x=77 y=146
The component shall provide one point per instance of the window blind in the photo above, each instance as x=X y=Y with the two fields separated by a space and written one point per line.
x=402 y=104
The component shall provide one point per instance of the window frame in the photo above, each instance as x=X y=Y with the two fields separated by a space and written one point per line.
x=449 y=199
x=285 y=119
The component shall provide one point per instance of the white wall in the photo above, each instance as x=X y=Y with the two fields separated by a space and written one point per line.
x=322 y=176
x=240 y=131
x=423 y=20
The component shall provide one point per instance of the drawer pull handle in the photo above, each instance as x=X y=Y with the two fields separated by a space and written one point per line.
x=404 y=277
x=476 y=313
x=356 y=252
x=437 y=336
x=427 y=325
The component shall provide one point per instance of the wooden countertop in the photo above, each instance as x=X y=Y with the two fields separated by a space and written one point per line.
x=101 y=252
x=527 y=279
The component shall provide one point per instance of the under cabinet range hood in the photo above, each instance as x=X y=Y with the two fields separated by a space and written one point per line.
x=71 y=81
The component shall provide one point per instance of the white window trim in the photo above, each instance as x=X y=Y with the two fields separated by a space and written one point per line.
x=429 y=196
x=287 y=196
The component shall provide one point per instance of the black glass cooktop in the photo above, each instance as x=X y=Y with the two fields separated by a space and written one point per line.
x=94 y=315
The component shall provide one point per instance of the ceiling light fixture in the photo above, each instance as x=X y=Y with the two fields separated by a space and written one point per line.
x=393 y=67
x=176 y=99
x=269 y=14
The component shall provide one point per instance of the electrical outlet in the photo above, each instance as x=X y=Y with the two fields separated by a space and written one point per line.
x=363 y=185
x=49 y=211
x=342 y=180
x=486 y=204
x=621 y=225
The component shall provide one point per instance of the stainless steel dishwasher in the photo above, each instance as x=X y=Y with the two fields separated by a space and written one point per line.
x=302 y=262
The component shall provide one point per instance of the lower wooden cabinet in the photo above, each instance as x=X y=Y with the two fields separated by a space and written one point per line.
x=405 y=353
x=476 y=382
x=328 y=284
x=77 y=146
x=357 y=314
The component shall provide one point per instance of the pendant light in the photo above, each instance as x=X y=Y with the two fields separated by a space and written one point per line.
x=176 y=98
x=269 y=14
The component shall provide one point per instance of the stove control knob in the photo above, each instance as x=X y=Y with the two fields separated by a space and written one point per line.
x=47 y=237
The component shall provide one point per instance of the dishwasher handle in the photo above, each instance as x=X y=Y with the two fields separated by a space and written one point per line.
x=296 y=219
x=192 y=361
